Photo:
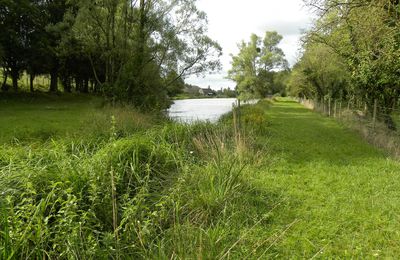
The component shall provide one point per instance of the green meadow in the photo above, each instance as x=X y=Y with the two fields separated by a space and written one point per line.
x=84 y=180
x=339 y=196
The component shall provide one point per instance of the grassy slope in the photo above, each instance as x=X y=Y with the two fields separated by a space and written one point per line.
x=339 y=196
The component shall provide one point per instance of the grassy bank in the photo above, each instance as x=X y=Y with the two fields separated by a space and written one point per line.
x=290 y=184
x=86 y=181
x=340 y=194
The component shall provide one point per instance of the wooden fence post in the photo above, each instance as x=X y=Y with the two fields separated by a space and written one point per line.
x=234 y=120
x=374 y=113
x=340 y=109
x=239 y=115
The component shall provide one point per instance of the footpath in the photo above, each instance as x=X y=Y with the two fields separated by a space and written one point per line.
x=338 y=196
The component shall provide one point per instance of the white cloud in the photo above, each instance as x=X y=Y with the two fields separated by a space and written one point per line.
x=231 y=21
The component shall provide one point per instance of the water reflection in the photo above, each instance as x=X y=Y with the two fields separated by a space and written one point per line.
x=207 y=109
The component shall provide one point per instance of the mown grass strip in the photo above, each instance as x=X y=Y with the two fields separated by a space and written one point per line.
x=345 y=192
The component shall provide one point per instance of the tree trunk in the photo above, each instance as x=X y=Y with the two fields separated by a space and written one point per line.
x=15 y=76
x=85 y=88
x=54 y=80
x=31 y=79
x=4 y=86
x=66 y=82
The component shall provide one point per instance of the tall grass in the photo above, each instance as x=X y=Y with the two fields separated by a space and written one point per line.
x=137 y=188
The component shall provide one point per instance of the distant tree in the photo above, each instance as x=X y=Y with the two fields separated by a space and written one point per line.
x=16 y=25
x=37 y=57
x=321 y=73
x=1 y=54
x=133 y=51
x=55 y=11
x=192 y=90
x=280 y=82
x=252 y=69
x=2 y=65
x=226 y=93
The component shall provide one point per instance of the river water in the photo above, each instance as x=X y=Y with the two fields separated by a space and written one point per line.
x=205 y=109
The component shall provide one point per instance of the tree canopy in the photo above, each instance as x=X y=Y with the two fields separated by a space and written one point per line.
x=359 y=39
x=254 y=66
x=352 y=51
x=126 y=50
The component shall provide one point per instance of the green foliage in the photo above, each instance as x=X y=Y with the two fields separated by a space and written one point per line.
x=174 y=83
x=320 y=73
x=363 y=37
x=252 y=69
x=226 y=93
x=134 y=52
x=133 y=47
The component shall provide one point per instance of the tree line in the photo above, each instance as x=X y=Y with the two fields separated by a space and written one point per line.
x=352 y=53
x=137 y=51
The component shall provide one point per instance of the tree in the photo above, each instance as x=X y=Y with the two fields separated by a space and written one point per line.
x=365 y=34
x=16 y=24
x=320 y=73
x=56 y=28
x=142 y=38
x=132 y=51
x=253 y=68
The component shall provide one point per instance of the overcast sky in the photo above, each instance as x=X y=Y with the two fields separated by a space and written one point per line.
x=231 y=21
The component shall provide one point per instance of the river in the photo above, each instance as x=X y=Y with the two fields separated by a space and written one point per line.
x=205 y=109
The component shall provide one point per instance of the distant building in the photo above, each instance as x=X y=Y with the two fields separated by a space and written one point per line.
x=207 y=92
x=191 y=90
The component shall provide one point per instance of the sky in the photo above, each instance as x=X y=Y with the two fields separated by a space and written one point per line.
x=231 y=21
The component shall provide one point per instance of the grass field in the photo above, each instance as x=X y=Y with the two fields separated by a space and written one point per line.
x=41 y=117
x=29 y=117
x=83 y=180
x=340 y=196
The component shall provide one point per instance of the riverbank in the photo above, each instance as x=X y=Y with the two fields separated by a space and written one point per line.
x=290 y=184
x=91 y=181
x=338 y=194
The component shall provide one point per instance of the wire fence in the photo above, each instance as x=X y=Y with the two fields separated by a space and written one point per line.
x=371 y=116
x=378 y=124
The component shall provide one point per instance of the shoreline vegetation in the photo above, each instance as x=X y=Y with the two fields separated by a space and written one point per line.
x=100 y=182
x=116 y=183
